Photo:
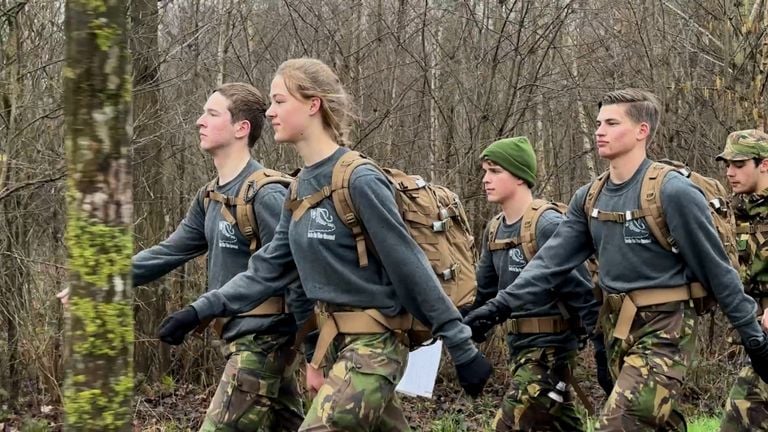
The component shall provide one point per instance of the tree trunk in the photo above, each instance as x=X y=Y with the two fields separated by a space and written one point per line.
x=98 y=392
x=152 y=358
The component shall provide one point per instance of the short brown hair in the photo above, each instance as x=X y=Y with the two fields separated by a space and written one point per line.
x=245 y=103
x=642 y=107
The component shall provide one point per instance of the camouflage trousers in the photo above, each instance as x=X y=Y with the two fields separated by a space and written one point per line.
x=531 y=403
x=258 y=389
x=359 y=390
x=648 y=368
x=747 y=406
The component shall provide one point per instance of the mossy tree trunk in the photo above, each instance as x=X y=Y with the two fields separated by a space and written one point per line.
x=97 y=99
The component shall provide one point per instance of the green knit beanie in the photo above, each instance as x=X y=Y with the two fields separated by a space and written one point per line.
x=514 y=155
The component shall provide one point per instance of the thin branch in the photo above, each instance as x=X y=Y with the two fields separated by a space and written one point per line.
x=9 y=190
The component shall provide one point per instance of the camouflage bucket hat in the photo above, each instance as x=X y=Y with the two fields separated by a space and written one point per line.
x=745 y=145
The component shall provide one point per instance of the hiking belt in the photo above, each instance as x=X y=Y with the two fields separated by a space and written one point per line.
x=751 y=229
x=546 y=324
x=627 y=304
x=271 y=306
x=354 y=321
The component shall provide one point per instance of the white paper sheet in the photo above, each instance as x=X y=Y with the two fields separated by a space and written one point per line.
x=421 y=373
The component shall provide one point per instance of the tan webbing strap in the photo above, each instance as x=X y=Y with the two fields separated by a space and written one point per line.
x=225 y=201
x=618 y=217
x=580 y=393
x=650 y=205
x=528 y=226
x=698 y=290
x=271 y=306
x=210 y=187
x=342 y=199
x=504 y=244
x=592 y=194
x=650 y=202
x=592 y=268
x=331 y=324
x=546 y=324
x=307 y=203
x=493 y=229
x=751 y=229
x=328 y=332
x=246 y=219
x=293 y=202
x=641 y=298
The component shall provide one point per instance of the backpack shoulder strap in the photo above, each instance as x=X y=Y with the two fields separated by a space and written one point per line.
x=225 y=200
x=650 y=204
x=493 y=228
x=245 y=216
x=342 y=198
x=206 y=192
x=293 y=201
x=528 y=225
x=592 y=193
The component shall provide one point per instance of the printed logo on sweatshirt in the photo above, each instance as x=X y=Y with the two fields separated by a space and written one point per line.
x=227 y=238
x=516 y=260
x=321 y=224
x=636 y=232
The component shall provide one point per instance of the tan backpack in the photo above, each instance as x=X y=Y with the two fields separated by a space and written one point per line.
x=436 y=220
x=651 y=210
x=246 y=223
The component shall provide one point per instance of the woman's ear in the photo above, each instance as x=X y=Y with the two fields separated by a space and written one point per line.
x=314 y=105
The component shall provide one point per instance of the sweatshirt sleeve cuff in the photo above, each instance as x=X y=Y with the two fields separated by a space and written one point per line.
x=462 y=352
x=750 y=331
x=204 y=307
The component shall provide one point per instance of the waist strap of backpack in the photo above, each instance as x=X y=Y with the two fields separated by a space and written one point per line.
x=271 y=306
x=545 y=324
x=368 y=321
x=751 y=229
x=628 y=303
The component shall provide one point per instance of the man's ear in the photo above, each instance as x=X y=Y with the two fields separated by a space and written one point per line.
x=643 y=131
x=763 y=166
x=243 y=129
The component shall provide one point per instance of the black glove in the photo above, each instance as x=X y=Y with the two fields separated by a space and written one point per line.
x=601 y=360
x=466 y=309
x=474 y=374
x=757 y=350
x=176 y=325
x=482 y=319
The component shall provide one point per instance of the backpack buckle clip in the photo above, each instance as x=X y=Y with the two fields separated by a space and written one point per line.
x=439 y=226
x=450 y=273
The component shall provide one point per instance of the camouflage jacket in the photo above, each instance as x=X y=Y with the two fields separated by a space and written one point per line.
x=751 y=212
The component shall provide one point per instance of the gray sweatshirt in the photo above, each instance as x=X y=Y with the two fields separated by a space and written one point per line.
x=499 y=269
x=631 y=258
x=204 y=231
x=398 y=277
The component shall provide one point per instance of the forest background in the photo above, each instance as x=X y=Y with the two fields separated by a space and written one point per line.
x=435 y=81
